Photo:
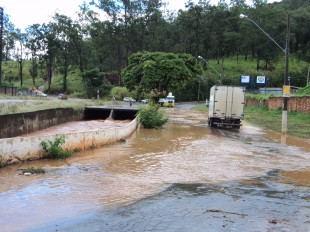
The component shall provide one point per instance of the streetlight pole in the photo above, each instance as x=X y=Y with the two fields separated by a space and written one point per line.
x=212 y=68
x=286 y=91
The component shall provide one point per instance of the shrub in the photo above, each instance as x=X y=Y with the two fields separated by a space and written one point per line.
x=151 y=116
x=33 y=170
x=120 y=92
x=54 y=149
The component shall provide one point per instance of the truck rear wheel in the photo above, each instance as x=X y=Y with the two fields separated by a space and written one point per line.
x=210 y=122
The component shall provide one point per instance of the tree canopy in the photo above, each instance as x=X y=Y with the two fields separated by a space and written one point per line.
x=173 y=41
x=159 y=72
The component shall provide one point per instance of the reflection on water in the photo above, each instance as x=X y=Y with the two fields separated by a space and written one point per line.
x=185 y=151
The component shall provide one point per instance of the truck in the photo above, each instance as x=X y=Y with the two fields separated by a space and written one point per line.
x=169 y=101
x=226 y=106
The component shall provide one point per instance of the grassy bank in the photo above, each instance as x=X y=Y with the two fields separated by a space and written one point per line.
x=30 y=105
x=298 y=123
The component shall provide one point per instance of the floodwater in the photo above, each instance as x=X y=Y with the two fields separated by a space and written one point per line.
x=271 y=177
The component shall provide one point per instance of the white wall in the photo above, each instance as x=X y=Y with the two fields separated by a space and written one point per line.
x=18 y=149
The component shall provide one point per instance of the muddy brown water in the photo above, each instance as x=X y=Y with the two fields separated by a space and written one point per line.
x=185 y=151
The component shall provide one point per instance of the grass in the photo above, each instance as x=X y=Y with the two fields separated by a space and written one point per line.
x=298 y=123
x=201 y=107
x=43 y=104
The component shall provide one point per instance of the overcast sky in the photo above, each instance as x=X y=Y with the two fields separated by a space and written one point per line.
x=27 y=12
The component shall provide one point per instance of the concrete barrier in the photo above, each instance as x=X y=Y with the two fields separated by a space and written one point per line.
x=19 y=149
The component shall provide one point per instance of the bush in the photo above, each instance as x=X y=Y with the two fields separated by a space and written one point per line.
x=54 y=149
x=120 y=92
x=151 y=116
x=304 y=91
x=33 y=170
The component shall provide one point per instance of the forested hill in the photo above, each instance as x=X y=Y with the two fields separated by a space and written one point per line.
x=213 y=32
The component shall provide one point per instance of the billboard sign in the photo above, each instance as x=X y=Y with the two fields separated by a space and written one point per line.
x=245 y=80
x=261 y=80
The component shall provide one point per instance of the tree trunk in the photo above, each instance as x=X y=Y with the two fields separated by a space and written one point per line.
x=257 y=63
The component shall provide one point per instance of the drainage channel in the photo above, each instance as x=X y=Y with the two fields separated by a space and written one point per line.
x=104 y=112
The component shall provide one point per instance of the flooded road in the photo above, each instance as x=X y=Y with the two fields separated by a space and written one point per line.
x=185 y=177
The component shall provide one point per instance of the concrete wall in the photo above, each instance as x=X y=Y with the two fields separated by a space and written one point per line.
x=13 y=125
x=298 y=104
x=19 y=149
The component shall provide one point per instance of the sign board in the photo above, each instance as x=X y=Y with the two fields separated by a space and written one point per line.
x=261 y=80
x=245 y=79
x=286 y=90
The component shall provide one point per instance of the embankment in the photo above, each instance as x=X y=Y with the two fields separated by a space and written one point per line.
x=19 y=149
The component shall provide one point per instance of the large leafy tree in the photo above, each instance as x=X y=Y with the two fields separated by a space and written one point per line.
x=158 y=72
x=96 y=83
x=33 y=44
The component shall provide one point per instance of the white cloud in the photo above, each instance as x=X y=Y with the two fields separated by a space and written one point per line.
x=27 y=12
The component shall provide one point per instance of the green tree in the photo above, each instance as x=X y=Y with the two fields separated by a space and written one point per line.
x=33 y=45
x=159 y=72
x=95 y=81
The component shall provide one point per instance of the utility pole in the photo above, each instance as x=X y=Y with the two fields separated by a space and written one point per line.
x=286 y=95
x=286 y=87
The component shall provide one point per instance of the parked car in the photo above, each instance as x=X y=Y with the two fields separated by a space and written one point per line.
x=62 y=96
x=129 y=99
x=41 y=94
x=161 y=101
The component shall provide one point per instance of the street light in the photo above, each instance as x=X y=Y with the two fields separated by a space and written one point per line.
x=199 y=57
x=286 y=91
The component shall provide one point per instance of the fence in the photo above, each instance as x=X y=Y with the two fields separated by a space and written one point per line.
x=4 y=90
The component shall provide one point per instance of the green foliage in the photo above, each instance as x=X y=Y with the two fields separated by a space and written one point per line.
x=41 y=104
x=95 y=81
x=54 y=149
x=33 y=170
x=304 y=91
x=159 y=72
x=271 y=119
x=120 y=92
x=201 y=107
x=260 y=97
x=69 y=46
x=75 y=83
x=151 y=116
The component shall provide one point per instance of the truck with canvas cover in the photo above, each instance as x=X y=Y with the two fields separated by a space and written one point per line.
x=226 y=106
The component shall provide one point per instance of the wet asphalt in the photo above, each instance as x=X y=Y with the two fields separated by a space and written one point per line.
x=260 y=205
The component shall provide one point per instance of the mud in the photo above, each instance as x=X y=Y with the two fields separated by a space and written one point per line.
x=80 y=126
x=185 y=177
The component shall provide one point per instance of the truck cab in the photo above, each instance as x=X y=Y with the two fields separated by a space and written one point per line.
x=169 y=101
